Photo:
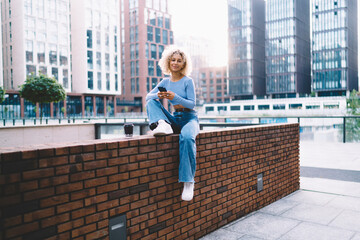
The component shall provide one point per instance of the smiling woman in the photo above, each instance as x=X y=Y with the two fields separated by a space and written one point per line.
x=204 y=20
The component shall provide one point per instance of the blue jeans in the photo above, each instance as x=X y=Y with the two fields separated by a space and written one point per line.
x=188 y=122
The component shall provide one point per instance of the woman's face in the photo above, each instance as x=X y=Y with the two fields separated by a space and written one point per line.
x=176 y=63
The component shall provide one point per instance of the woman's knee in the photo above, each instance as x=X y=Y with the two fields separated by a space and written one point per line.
x=152 y=103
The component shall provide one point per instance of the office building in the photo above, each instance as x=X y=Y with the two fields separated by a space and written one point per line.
x=36 y=38
x=246 y=26
x=77 y=42
x=96 y=57
x=334 y=47
x=197 y=48
x=213 y=85
x=287 y=48
x=146 y=31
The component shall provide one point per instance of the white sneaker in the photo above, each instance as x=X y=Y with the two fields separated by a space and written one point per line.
x=163 y=128
x=188 y=191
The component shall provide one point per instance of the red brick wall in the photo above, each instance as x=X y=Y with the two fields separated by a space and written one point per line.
x=71 y=192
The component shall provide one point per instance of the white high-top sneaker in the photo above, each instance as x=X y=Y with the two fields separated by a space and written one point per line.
x=163 y=128
x=188 y=191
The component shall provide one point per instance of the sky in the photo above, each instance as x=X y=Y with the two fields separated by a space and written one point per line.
x=202 y=18
x=208 y=18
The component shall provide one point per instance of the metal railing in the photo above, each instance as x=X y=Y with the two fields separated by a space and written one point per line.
x=346 y=127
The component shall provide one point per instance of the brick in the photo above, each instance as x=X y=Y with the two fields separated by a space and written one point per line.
x=18 y=166
x=55 y=161
x=118 y=161
x=88 y=148
x=107 y=171
x=82 y=176
x=71 y=187
x=34 y=174
x=107 y=188
x=22 y=229
x=69 y=206
x=82 y=194
x=96 y=199
x=99 y=234
x=128 y=151
x=106 y=154
x=12 y=221
x=96 y=217
x=107 y=205
x=95 y=164
x=70 y=225
x=43 y=153
x=54 y=200
x=53 y=181
x=138 y=173
x=61 y=151
x=37 y=194
x=39 y=214
x=71 y=168
x=28 y=154
x=55 y=220
x=83 y=212
x=95 y=182
x=10 y=156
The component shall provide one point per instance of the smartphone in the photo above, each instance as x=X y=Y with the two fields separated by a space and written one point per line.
x=162 y=89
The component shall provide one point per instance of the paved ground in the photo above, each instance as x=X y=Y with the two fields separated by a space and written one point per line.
x=326 y=207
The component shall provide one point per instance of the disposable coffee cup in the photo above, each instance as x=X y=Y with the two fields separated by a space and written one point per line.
x=129 y=129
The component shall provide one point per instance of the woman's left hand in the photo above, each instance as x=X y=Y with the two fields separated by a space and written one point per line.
x=169 y=95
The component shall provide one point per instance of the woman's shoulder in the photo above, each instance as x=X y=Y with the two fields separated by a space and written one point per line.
x=165 y=80
x=187 y=79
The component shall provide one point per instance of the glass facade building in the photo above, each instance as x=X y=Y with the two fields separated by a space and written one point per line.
x=141 y=52
x=246 y=21
x=287 y=47
x=334 y=47
x=36 y=38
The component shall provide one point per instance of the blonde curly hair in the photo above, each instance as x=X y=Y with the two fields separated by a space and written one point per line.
x=169 y=51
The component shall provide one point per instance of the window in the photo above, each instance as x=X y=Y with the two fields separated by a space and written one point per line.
x=158 y=70
x=53 y=54
x=150 y=34
x=153 y=51
x=29 y=51
x=313 y=107
x=234 y=108
x=89 y=38
x=209 y=109
x=108 y=81
x=63 y=56
x=99 y=80
x=157 y=35
x=165 y=37
x=55 y=73
x=90 y=80
x=295 y=106
x=151 y=68
x=161 y=50
x=147 y=50
x=278 y=106
x=249 y=107
x=90 y=59
x=65 y=78
x=222 y=108
x=98 y=60
x=30 y=69
x=116 y=83
x=43 y=70
x=107 y=62
x=264 y=107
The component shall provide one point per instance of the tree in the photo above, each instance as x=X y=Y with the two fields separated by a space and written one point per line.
x=42 y=89
x=353 y=124
x=2 y=94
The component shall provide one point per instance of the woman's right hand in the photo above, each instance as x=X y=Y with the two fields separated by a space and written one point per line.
x=162 y=95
